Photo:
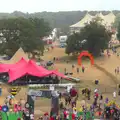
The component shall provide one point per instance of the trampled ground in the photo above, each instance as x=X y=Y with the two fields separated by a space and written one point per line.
x=107 y=84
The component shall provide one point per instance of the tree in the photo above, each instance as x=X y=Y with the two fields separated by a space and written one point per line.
x=21 y=32
x=117 y=21
x=117 y=25
x=42 y=28
x=96 y=36
x=74 y=43
x=118 y=31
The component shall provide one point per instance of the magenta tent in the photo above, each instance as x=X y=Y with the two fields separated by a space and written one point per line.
x=29 y=69
x=5 y=67
x=23 y=67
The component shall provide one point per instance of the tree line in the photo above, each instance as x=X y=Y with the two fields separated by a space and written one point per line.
x=25 y=33
x=56 y=19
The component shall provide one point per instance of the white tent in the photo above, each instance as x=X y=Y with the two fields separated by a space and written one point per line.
x=106 y=20
x=82 y=22
x=109 y=19
x=99 y=15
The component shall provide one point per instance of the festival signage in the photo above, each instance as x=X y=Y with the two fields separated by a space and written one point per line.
x=40 y=93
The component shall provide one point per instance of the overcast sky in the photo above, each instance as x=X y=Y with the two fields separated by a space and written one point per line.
x=57 y=5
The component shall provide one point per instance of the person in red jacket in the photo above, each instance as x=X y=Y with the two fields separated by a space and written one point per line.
x=51 y=118
x=73 y=116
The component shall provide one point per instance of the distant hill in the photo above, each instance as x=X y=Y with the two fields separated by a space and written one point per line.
x=56 y=19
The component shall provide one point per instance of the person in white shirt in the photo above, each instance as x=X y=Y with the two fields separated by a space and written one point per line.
x=69 y=88
x=31 y=117
x=114 y=94
x=52 y=88
x=96 y=90
x=67 y=115
x=75 y=112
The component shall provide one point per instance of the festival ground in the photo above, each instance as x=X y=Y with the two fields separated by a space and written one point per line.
x=106 y=86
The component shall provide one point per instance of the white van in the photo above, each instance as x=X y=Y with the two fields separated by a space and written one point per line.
x=63 y=39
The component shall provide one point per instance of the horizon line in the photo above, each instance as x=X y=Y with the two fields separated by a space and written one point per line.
x=61 y=11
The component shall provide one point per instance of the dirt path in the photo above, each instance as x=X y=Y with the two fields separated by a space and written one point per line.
x=91 y=72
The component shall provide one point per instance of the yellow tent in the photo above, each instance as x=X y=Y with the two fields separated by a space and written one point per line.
x=82 y=22
x=17 y=56
x=106 y=20
x=109 y=19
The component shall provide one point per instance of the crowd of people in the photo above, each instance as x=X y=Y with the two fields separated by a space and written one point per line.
x=99 y=108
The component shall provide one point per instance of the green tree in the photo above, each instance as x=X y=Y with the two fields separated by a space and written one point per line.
x=74 y=43
x=117 y=21
x=21 y=32
x=42 y=28
x=96 y=36
x=118 y=30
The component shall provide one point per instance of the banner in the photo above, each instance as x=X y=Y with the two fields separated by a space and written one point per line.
x=40 y=93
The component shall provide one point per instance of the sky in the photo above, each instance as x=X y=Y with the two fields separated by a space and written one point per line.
x=32 y=6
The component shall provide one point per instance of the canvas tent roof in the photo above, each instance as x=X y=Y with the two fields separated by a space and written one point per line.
x=29 y=68
x=17 y=56
x=82 y=22
x=107 y=19
x=99 y=15
x=6 y=67
x=110 y=18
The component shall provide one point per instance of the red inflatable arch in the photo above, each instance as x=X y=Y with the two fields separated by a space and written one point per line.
x=85 y=53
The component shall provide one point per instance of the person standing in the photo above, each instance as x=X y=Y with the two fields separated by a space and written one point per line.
x=0 y=90
x=114 y=94
x=78 y=70
x=89 y=92
x=117 y=54
x=118 y=70
x=31 y=117
x=100 y=100
x=83 y=69
x=73 y=66
x=65 y=71
x=115 y=71
x=54 y=59
x=96 y=90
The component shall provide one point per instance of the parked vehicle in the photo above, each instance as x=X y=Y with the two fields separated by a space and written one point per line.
x=73 y=79
x=49 y=63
